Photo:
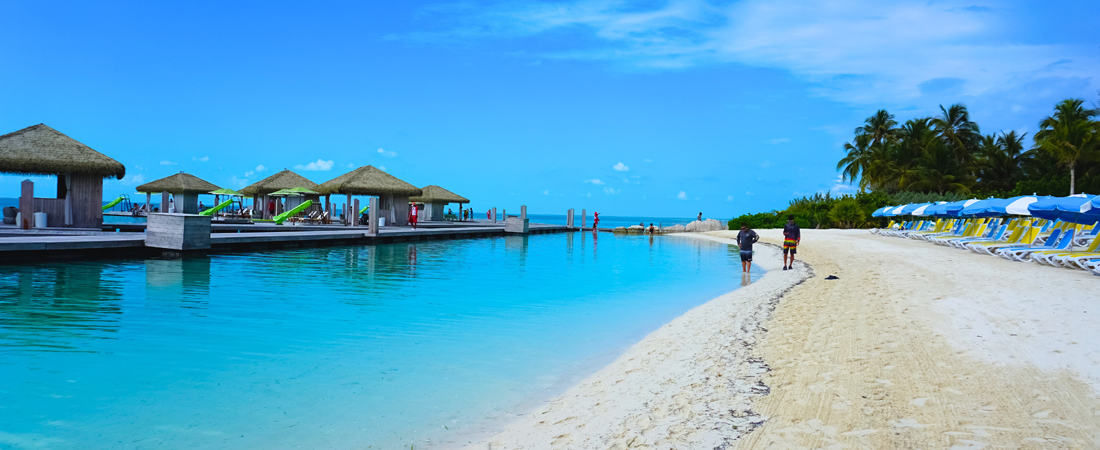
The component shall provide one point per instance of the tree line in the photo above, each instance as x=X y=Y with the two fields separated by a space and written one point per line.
x=947 y=158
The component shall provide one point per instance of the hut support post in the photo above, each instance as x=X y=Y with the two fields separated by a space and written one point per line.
x=372 y=216
x=460 y=212
x=583 y=218
x=355 y=214
x=26 y=204
x=164 y=202
x=523 y=212
x=148 y=199
x=68 y=199
x=347 y=216
x=328 y=204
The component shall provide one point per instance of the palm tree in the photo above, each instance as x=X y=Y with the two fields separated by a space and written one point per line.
x=881 y=127
x=1003 y=160
x=938 y=171
x=1069 y=135
x=961 y=135
x=857 y=160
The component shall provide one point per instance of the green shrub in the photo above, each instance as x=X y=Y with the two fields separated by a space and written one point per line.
x=847 y=213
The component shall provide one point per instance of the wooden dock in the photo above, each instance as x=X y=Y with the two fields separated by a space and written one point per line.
x=18 y=246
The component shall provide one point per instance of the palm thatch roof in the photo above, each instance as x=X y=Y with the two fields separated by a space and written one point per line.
x=368 y=180
x=279 y=181
x=41 y=150
x=435 y=193
x=180 y=183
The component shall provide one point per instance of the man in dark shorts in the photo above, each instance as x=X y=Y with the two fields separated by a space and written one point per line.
x=792 y=235
x=745 y=239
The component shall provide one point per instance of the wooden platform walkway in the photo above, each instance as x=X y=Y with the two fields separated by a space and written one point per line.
x=18 y=246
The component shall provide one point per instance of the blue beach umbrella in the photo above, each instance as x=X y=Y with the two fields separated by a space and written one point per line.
x=1075 y=208
x=894 y=211
x=924 y=210
x=1019 y=205
x=954 y=209
x=985 y=208
x=880 y=211
x=910 y=208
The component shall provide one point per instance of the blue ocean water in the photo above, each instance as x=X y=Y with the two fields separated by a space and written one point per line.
x=611 y=221
x=343 y=347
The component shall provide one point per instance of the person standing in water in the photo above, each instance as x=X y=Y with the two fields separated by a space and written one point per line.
x=745 y=239
x=595 y=221
x=792 y=235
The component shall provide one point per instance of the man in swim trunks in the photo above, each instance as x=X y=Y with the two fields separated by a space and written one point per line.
x=745 y=239
x=792 y=235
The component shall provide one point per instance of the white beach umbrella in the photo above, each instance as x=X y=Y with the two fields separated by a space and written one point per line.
x=1019 y=206
x=920 y=211
x=896 y=211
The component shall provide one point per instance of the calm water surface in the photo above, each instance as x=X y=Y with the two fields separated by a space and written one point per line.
x=343 y=347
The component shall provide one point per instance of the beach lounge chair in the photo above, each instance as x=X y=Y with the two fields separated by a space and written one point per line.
x=954 y=227
x=1021 y=234
x=970 y=230
x=1052 y=243
x=325 y=220
x=1070 y=259
x=994 y=234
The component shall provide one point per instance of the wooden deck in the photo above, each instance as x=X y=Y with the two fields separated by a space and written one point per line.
x=18 y=246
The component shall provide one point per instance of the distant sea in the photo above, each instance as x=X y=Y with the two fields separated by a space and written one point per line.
x=610 y=221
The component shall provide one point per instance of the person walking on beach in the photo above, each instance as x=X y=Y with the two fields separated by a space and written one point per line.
x=792 y=235
x=745 y=239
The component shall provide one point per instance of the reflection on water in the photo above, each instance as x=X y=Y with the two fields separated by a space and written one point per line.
x=341 y=347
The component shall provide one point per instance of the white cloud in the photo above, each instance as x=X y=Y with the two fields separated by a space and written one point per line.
x=132 y=180
x=749 y=193
x=319 y=165
x=682 y=195
x=203 y=159
x=857 y=51
x=588 y=194
x=351 y=165
x=387 y=153
x=249 y=173
x=779 y=141
x=648 y=160
x=729 y=199
x=546 y=192
x=167 y=163
x=621 y=167
x=595 y=181
x=260 y=168
x=611 y=190
x=238 y=182
x=382 y=168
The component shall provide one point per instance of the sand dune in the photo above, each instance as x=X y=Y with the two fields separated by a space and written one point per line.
x=914 y=346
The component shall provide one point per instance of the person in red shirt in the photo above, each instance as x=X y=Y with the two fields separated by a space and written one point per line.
x=412 y=215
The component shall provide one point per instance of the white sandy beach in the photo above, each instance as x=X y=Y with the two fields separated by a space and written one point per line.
x=915 y=346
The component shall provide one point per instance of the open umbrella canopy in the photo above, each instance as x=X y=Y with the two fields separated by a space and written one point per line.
x=981 y=208
x=923 y=209
x=910 y=208
x=293 y=191
x=954 y=209
x=435 y=193
x=226 y=192
x=1019 y=205
x=1075 y=208
x=879 y=212
x=995 y=207
x=895 y=211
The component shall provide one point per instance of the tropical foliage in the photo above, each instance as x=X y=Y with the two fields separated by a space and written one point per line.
x=948 y=153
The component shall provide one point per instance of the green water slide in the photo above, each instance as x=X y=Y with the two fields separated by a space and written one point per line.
x=364 y=210
x=279 y=219
x=215 y=209
x=113 y=203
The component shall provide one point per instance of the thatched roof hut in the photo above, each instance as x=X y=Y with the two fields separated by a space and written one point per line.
x=180 y=183
x=41 y=150
x=435 y=193
x=368 y=180
x=279 y=181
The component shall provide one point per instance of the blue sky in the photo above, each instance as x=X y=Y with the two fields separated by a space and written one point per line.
x=628 y=108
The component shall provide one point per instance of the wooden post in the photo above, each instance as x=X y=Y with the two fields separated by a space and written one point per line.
x=569 y=218
x=355 y=214
x=347 y=217
x=164 y=202
x=148 y=199
x=523 y=212
x=26 y=205
x=494 y=215
x=372 y=216
x=584 y=218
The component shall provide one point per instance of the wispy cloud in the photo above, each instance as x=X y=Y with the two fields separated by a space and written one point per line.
x=202 y=159
x=621 y=167
x=546 y=192
x=595 y=181
x=858 y=51
x=318 y=165
x=386 y=153
x=749 y=193
x=729 y=199
x=682 y=195
x=167 y=163
x=260 y=168
x=611 y=190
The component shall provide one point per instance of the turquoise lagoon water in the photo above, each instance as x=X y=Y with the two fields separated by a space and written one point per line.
x=342 y=347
